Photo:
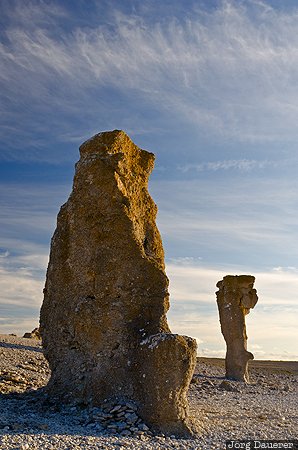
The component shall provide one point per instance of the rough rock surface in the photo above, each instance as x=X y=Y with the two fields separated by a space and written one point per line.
x=235 y=297
x=103 y=319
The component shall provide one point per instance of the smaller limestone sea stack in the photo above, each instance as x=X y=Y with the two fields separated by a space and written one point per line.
x=103 y=319
x=235 y=297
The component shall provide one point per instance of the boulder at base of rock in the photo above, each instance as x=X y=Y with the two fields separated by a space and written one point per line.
x=103 y=318
x=235 y=297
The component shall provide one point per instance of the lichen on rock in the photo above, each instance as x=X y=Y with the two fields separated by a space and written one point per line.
x=106 y=293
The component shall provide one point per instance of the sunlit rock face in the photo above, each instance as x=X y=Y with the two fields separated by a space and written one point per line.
x=103 y=318
x=235 y=297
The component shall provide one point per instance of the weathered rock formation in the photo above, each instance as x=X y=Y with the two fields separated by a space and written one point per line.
x=34 y=334
x=103 y=318
x=235 y=297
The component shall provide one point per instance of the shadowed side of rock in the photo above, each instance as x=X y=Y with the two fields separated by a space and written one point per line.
x=106 y=292
x=235 y=297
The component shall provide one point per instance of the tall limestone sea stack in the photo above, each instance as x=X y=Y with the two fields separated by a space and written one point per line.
x=103 y=319
x=235 y=297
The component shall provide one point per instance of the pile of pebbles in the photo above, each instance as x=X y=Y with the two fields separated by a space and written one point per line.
x=122 y=419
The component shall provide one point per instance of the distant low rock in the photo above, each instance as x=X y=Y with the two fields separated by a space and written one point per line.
x=34 y=334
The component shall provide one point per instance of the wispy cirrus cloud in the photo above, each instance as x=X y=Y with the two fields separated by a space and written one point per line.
x=33 y=13
x=19 y=288
x=229 y=220
x=28 y=211
x=244 y=165
x=230 y=71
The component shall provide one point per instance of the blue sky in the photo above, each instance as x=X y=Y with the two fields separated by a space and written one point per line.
x=210 y=87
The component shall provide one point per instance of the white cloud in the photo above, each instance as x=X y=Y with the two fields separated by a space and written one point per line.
x=28 y=214
x=244 y=165
x=22 y=277
x=185 y=260
x=285 y=269
x=230 y=72
x=198 y=283
x=20 y=288
x=19 y=325
x=211 y=353
x=241 y=220
x=33 y=13
x=29 y=210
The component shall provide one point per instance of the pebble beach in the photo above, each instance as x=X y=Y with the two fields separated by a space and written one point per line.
x=264 y=409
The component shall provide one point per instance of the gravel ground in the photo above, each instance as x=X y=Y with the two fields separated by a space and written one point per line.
x=267 y=408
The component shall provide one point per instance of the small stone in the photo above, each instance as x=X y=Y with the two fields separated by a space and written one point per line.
x=142 y=436
x=125 y=433
x=143 y=427
x=131 y=406
x=16 y=426
x=121 y=425
x=227 y=386
x=115 y=409
x=106 y=416
x=96 y=410
x=160 y=438
x=43 y=426
x=131 y=418
x=24 y=446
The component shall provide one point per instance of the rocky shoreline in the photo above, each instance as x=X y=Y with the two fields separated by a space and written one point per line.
x=223 y=410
